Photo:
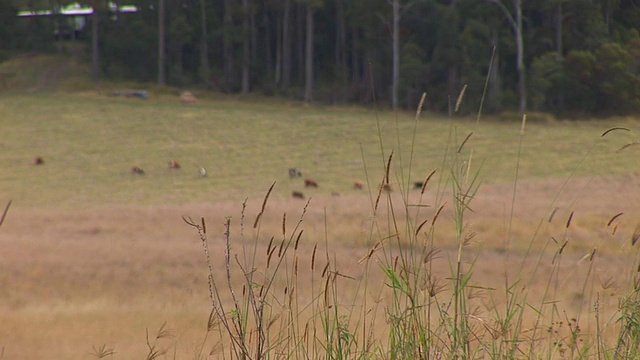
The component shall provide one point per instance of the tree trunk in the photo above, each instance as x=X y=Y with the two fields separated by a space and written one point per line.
x=254 y=36
x=161 y=43
x=559 y=53
x=58 y=20
x=279 y=51
x=286 y=46
x=341 y=49
x=558 y=19
x=300 y=44
x=396 y=53
x=308 y=88
x=95 y=40
x=494 y=74
x=227 y=45
x=522 y=83
x=205 y=70
x=515 y=21
x=355 y=62
x=268 y=47
x=246 y=47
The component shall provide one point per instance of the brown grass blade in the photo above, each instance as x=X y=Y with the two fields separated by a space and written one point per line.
x=313 y=256
x=614 y=129
x=569 y=220
x=426 y=181
x=386 y=170
x=635 y=236
x=614 y=218
x=464 y=142
x=269 y=246
x=295 y=247
x=284 y=224
x=4 y=213
x=264 y=204
x=634 y=143
x=435 y=217
x=421 y=225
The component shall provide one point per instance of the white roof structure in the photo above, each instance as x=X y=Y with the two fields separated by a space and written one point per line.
x=76 y=9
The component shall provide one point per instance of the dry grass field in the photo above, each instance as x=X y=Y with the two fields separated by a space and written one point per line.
x=92 y=255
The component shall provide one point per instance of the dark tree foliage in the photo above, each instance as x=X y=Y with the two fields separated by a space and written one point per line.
x=581 y=56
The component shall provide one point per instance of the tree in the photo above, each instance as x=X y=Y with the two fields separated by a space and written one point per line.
x=9 y=27
x=205 y=70
x=180 y=38
x=246 y=46
x=341 y=45
x=308 y=87
x=161 y=43
x=395 y=36
x=395 y=45
x=286 y=46
x=95 y=42
x=515 y=21
x=227 y=45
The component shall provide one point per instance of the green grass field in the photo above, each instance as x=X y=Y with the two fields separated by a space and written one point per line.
x=90 y=142
x=96 y=255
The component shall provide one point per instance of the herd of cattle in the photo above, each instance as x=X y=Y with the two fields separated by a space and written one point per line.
x=293 y=174
x=357 y=184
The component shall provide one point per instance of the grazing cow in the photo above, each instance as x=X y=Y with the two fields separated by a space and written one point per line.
x=310 y=183
x=294 y=173
x=297 y=195
x=203 y=172
x=358 y=185
x=137 y=170
x=386 y=187
x=38 y=161
x=418 y=184
x=173 y=164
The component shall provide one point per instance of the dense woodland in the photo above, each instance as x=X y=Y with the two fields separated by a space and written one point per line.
x=567 y=57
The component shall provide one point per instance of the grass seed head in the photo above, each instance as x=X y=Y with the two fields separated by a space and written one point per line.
x=313 y=256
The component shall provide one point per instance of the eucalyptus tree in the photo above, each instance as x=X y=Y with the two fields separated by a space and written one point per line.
x=246 y=46
x=228 y=56
x=205 y=67
x=162 y=49
x=514 y=18
x=311 y=7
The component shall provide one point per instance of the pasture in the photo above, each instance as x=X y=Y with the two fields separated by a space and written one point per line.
x=94 y=255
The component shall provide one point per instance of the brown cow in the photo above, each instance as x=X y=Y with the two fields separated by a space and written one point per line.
x=38 y=161
x=358 y=185
x=173 y=164
x=136 y=170
x=297 y=195
x=310 y=183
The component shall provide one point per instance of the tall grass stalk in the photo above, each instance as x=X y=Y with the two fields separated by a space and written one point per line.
x=426 y=316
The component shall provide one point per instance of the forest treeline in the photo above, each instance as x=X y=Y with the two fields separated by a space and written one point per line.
x=567 y=57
